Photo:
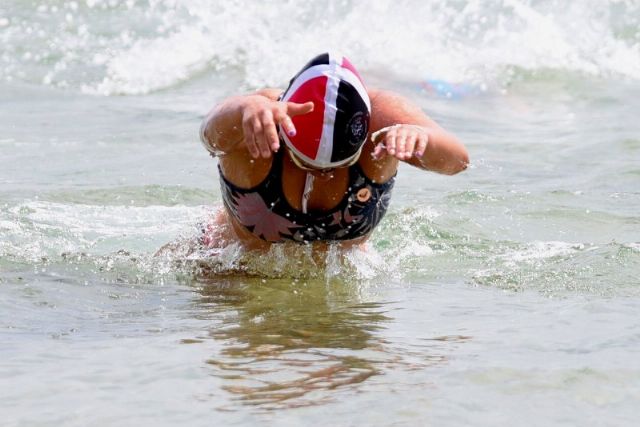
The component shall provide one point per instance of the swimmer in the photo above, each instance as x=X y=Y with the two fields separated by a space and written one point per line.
x=316 y=163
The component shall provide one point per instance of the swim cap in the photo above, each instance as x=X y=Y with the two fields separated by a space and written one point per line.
x=334 y=132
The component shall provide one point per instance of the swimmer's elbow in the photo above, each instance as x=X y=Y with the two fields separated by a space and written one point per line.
x=209 y=137
x=206 y=137
x=455 y=165
x=217 y=132
x=455 y=157
x=461 y=163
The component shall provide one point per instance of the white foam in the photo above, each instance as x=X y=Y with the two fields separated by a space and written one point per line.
x=536 y=251
x=36 y=230
x=633 y=246
x=158 y=45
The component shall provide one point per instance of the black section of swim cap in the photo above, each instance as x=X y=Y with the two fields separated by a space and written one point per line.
x=322 y=59
x=352 y=123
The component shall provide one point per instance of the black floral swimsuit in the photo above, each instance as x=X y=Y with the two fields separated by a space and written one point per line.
x=265 y=212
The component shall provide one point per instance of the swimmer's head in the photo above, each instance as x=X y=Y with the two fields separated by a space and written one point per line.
x=333 y=134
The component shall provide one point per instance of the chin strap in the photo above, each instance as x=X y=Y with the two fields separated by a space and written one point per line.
x=308 y=187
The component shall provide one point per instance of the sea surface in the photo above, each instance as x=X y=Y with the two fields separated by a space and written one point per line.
x=506 y=295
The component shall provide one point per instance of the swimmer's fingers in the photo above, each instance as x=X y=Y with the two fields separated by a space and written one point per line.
x=285 y=123
x=259 y=119
x=384 y=140
x=260 y=139
x=270 y=141
x=390 y=141
x=271 y=136
x=421 y=144
x=412 y=142
x=410 y=145
x=401 y=142
x=295 y=109
x=292 y=109
x=379 y=151
x=250 y=138
x=416 y=141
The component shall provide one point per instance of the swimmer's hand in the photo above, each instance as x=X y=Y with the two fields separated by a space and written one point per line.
x=260 y=115
x=401 y=141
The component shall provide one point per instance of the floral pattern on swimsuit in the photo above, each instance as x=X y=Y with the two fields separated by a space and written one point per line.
x=265 y=212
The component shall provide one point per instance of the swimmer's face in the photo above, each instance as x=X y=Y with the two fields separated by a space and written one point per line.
x=301 y=164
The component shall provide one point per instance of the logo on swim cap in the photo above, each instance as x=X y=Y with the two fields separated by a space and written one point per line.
x=333 y=133
x=358 y=127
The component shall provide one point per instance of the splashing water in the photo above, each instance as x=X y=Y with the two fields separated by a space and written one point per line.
x=122 y=46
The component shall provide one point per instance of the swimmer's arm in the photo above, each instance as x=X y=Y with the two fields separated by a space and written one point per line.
x=249 y=123
x=443 y=152
x=221 y=129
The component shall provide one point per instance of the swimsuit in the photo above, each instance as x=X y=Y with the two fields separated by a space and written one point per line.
x=265 y=212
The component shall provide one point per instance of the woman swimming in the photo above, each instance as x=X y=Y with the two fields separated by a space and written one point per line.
x=317 y=162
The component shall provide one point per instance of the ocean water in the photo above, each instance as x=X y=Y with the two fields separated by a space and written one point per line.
x=505 y=295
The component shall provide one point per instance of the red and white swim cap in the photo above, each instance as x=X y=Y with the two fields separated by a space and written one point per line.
x=334 y=132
